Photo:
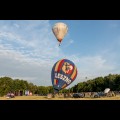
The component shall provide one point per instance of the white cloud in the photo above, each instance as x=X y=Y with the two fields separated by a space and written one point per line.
x=92 y=66
x=27 y=49
x=67 y=43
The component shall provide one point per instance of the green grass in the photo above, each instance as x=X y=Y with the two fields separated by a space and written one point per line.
x=57 y=98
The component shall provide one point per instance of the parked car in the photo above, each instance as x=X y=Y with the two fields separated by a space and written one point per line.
x=99 y=94
x=78 y=95
x=96 y=95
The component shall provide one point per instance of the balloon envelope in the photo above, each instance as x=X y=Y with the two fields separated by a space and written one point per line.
x=106 y=90
x=60 y=30
x=63 y=73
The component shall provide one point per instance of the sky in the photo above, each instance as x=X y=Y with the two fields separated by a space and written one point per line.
x=29 y=49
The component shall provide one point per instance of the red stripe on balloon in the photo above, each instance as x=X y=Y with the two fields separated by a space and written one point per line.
x=60 y=65
x=56 y=82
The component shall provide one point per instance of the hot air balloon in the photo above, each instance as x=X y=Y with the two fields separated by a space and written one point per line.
x=63 y=73
x=60 y=30
x=106 y=90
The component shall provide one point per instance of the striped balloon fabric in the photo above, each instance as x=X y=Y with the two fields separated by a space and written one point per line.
x=64 y=72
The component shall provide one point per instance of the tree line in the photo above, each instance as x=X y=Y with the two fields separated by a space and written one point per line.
x=8 y=84
x=98 y=84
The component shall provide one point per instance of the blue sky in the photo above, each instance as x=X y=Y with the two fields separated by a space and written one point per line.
x=29 y=49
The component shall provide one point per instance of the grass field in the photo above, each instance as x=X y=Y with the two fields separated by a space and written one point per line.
x=45 y=98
